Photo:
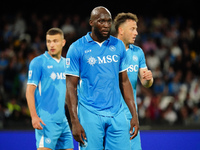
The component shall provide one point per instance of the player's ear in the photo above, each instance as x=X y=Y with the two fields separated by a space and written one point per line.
x=120 y=31
x=64 y=41
x=91 y=22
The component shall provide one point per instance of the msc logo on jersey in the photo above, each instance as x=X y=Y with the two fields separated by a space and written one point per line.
x=132 y=68
x=91 y=60
x=57 y=75
x=103 y=60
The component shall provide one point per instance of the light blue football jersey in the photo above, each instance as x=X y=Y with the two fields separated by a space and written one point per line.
x=49 y=77
x=98 y=66
x=136 y=60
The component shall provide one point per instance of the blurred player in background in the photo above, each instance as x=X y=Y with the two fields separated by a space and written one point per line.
x=45 y=95
x=96 y=63
x=126 y=27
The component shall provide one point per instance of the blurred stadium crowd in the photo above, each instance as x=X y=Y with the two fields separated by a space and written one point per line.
x=171 y=45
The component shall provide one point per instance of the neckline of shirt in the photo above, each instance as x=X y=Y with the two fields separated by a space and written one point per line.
x=48 y=55
x=100 y=44
x=57 y=60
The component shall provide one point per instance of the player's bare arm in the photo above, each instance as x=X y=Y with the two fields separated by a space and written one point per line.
x=127 y=93
x=146 y=77
x=31 y=104
x=71 y=99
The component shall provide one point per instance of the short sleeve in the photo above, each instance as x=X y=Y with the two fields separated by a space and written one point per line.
x=123 y=59
x=72 y=61
x=35 y=71
x=142 y=62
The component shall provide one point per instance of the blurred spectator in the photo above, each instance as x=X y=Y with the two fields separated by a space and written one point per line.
x=19 y=26
x=10 y=77
x=195 y=117
x=3 y=62
x=161 y=52
x=158 y=86
x=153 y=60
x=167 y=107
x=175 y=50
x=67 y=27
x=153 y=111
x=167 y=39
x=174 y=85
x=195 y=91
x=149 y=45
x=13 y=108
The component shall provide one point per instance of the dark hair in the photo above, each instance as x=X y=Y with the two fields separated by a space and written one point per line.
x=54 y=31
x=122 y=17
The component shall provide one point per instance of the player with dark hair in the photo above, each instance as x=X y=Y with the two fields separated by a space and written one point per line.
x=96 y=63
x=126 y=27
x=45 y=95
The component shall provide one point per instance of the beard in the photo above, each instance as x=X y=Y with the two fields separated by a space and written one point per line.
x=100 y=36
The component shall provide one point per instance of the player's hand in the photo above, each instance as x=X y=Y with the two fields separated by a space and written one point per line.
x=134 y=123
x=147 y=75
x=78 y=132
x=36 y=123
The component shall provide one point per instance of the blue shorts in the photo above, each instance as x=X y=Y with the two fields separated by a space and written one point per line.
x=54 y=136
x=136 y=142
x=103 y=132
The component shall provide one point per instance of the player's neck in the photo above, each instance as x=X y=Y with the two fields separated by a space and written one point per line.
x=97 y=38
x=56 y=56
x=125 y=44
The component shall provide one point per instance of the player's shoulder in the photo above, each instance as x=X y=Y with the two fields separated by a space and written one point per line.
x=115 y=40
x=83 y=40
x=136 y=48
x=63 y=58
x=78 y=43
x=38 y=59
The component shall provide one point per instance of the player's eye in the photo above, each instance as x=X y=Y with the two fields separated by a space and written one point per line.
x=105 y=21
x=132 y=29
x=109 y=21
x=101 y=21
x=55 y=41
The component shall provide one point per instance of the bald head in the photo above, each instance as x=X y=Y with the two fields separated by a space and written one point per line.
x=100 y=21
x=97 y=11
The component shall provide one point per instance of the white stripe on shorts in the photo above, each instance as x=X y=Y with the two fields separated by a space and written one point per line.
x=41 y=144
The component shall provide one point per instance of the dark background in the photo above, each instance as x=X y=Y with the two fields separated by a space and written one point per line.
x=187 y=8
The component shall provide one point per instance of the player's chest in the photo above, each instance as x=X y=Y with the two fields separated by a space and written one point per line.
x=54 y=71
x=133 y=61
x=104 y=55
